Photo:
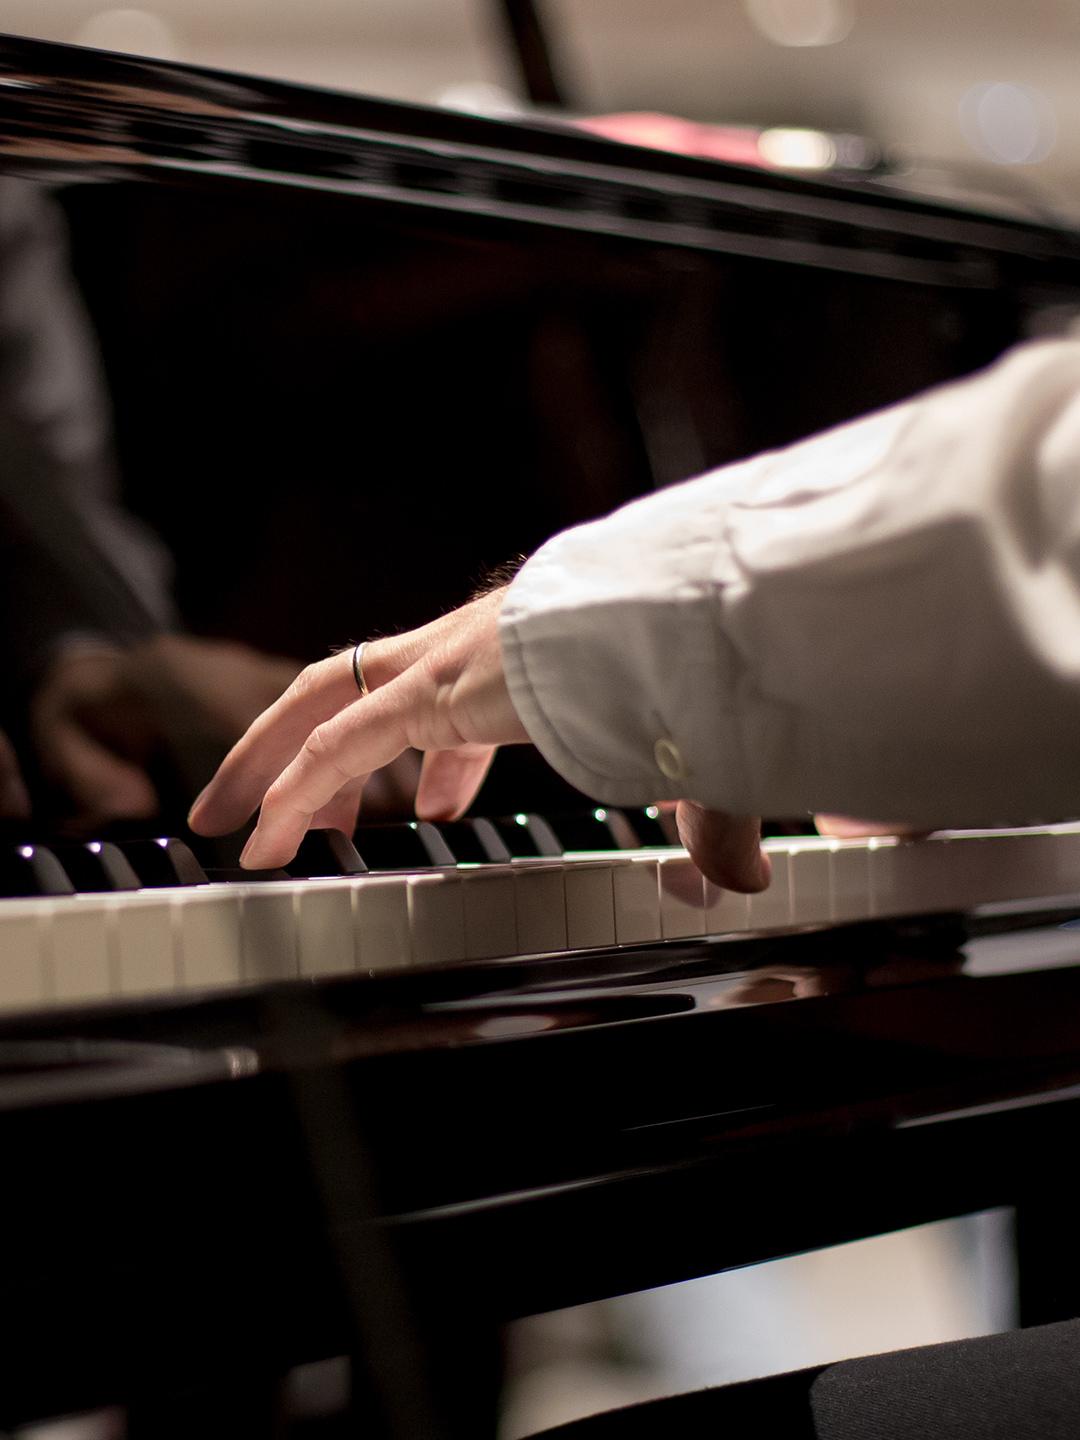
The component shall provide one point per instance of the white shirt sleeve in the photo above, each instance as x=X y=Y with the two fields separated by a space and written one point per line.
x=883 y=620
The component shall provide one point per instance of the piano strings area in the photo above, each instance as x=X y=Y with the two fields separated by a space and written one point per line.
x=282 y=369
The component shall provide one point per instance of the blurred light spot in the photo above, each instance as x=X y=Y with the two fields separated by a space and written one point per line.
x=652 y=811
x=131 y=32
x=1008 y=123
x=802 y=22
x=522 y=819
x=478 y=97
x=797 y=149
x=600 y=815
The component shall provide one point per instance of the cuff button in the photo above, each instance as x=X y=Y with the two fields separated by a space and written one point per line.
x=668 y=759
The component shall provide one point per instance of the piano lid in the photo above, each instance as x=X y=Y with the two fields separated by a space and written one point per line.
x=67 y=111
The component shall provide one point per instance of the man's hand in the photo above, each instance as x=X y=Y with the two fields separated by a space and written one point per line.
x=14 y=799
x=99 y=718
x=439 y=689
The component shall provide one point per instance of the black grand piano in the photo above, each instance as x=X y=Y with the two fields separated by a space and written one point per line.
x=411 y=345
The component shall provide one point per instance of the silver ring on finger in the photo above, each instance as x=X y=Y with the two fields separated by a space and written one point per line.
x=358 y=668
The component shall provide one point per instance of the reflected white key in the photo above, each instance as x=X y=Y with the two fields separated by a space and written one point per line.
x=381 y=922
x=682 y=897
x=436 y=918
x=490 y=918
x=636 y=892
x=725 y=910
x=540 y=905
x=268 y=922
x=143 y=933
x=809 y=882
x=590 y=904
x=24 y=967
x=208 y=934
x=772 y=907
x=325 y=930
x=79 y=942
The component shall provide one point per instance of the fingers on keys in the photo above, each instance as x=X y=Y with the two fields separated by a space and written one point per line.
x=725 y=848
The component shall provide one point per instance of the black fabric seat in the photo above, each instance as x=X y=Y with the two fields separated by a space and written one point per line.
x=1024 y=1385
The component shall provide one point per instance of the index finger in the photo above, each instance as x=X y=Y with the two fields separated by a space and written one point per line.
x=363 y=737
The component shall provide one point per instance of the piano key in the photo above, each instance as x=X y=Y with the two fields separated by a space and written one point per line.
x=325 y=928
x=849 y=880
x=143 y=935
x=809 y=881
x=323 y=853
x=474 y=841
x=163 y=862
x=24 y=969
x=725 y=910
x=489 y=912
x=415 y=845
x=436 y=917
x=79 y=946
x=540 y=906
x=590 y=904
x=208 y=938
x=636 y=898
x=27 y=870
x=654 y=828
x=771 y=908
x=528 y=837
x=269 y=944
x=682 y=897
x=381 y=922
x=599 y=829
x=96 y=866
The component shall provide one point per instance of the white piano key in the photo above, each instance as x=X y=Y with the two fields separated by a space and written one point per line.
x=849 y=880
x=809 y=882
x=682 y=897
x=144 y=936
x=771 y=909
x=381 y=922
x=540 y=903
x=489 y=912
x=268 y=926
x=726 y=911
x=436 y=918
x=590 y=904
x=208 y=936
x=325 y=928
x=636 y=893
x=24 y=963
x=79 y=941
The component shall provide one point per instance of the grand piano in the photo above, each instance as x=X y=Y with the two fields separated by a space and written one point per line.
x=413 y=344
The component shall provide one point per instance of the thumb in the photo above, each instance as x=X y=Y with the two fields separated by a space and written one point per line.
x=449 y=780
x=725 y=848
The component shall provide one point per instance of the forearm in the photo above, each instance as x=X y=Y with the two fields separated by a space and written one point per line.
x=884 y=620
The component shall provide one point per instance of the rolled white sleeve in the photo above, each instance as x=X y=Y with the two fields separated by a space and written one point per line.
x=881 y=621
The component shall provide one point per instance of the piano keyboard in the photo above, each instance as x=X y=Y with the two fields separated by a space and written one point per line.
x=77 y=948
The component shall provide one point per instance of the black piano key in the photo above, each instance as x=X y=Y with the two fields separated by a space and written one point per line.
x=95 y=866
x=474 y=842
x=526 y=836
x=596 y=829
x=325 y=853
x=163 y=861
x=233 y=875
x=28 y=870
x=416 y=845
x=653 y=826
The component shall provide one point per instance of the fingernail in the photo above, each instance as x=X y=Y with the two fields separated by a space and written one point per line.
x=249 y=851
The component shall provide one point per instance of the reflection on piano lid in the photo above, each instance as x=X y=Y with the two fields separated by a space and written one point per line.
x=192 y=935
